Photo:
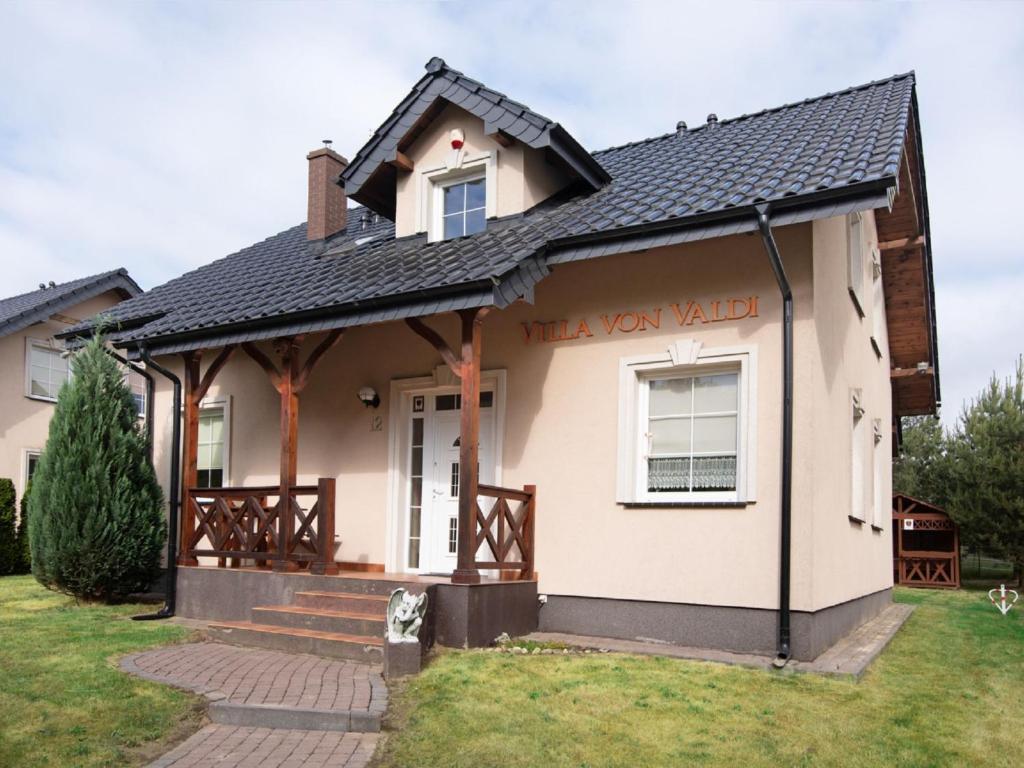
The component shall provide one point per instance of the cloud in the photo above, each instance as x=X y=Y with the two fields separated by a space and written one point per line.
x=160 y=136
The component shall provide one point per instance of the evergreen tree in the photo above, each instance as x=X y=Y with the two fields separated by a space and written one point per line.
x=986 y=469
x=10 y=558
x=921 y=468
x=25 y=566
x=96 y=523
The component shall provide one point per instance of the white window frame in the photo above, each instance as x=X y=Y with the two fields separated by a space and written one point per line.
x=855 y=266
x=858 y=449
x=48 y=346
x=686 y=358
x=430 y=213
x=26 y=456
x=222 y=404
x=128 y=372
x=878 y=330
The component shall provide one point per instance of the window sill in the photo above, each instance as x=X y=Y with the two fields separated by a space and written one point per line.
x=856 y=520
x=42 y=399
x=877 y=528
x=875 y=346
x=685 y=504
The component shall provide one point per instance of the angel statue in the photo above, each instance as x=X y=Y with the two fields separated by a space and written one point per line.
x=405 y=616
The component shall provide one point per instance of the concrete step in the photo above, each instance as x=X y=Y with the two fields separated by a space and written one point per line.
x=370 y=586
x=334 y=645
x=320 y=620
x=375 y=605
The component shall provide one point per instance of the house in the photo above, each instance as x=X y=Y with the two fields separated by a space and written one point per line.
x=643 y=392
x=32 y=365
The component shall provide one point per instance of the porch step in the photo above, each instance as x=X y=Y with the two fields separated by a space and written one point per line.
x=335 y=645
x=383 y=587
x=353 y=623
x=376 y=605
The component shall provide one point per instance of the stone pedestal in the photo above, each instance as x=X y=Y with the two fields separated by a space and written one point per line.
x=401 y=659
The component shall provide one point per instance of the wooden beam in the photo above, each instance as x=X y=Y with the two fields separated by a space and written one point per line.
x=503 y=139
x=435 y=339
x=264 y=362
x=903 y=373
x=402 y=161
x=321 y=349
x=288 y=350
x=905 y=242
x=211 y=372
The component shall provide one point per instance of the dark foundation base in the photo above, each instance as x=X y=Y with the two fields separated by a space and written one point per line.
x=741 y=630
x=473 y=615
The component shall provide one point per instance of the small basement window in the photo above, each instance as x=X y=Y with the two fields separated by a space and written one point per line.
x=464 y=207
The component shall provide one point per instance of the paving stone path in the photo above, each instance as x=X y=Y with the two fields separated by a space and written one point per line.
x=229 y=746
x=270 y=708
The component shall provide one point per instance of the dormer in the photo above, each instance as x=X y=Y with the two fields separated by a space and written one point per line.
x=455 y=154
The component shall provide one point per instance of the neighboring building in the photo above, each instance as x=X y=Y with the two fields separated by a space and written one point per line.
x=32 y=362
x=613 y=375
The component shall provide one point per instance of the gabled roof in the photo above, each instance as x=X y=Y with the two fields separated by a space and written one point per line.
x=814 y=159
x=19 y=312
x=370 y=179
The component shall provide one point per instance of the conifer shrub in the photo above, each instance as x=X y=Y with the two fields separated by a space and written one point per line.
x=96 y=522
x=24 y=550
x=10 y=557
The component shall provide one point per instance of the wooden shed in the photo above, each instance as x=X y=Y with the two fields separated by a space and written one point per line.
x=925 y=544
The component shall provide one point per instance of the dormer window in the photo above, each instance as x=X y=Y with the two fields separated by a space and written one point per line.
x=463 y=207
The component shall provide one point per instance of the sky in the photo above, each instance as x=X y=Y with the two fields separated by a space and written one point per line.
x=162 y=136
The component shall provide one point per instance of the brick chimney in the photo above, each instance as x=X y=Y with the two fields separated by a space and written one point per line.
x=327 y=201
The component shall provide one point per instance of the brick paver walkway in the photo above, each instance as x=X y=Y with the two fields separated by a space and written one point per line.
x=254 y=676
x=228 y=746
x=270 y=709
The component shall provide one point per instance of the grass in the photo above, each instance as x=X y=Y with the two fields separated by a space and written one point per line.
x=949 y=690
x=63 y=702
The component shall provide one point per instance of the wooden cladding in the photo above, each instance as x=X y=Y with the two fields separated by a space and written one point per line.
x=505 y=534
x=248 y=524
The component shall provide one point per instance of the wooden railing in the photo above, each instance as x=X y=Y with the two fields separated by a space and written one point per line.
x=247 y=524
x=929 y=569
x=505 y=535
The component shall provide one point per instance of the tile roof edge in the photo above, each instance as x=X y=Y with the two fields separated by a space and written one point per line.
x=911 y=74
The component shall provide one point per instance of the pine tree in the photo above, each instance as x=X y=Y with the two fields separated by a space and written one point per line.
x=10 y=558
x=987 y=469
x=920 y=470
x=96 y=523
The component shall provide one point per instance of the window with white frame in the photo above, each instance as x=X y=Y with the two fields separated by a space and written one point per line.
x=463 y=207
x=685 y=427
x=855 y=260
x=212 y=448
x=858 y=451
x=877 y=303
x=136 y=383
x=882 y=502
x=46 y=369
x=31 y=464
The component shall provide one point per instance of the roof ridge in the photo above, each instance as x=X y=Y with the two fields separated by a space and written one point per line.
x=57 y=286
x=767 y=111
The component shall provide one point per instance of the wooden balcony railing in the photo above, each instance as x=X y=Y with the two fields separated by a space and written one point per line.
x=929 y=569
x=505 y=536
x=247 y=524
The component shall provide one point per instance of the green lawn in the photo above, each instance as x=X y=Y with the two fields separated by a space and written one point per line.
x=949 y=691
x=63 y=702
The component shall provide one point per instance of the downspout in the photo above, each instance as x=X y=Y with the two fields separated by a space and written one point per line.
x=172 y=523
x=785 y=517
x=149 y=395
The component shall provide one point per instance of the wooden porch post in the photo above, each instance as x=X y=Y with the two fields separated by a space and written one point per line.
x=469 y=446
x=196 y=388
x=288 y=350
x=190 y=451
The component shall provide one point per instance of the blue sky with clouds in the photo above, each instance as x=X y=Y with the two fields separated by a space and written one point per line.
x=162 y=136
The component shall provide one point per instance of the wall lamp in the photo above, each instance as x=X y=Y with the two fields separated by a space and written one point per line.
x=369 y=397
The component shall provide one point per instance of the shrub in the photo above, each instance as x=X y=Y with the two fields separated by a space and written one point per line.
x=10 y=557
x=96 y=523
x=24 y=551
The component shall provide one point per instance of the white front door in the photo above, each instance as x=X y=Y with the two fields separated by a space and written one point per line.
x=434 y=477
